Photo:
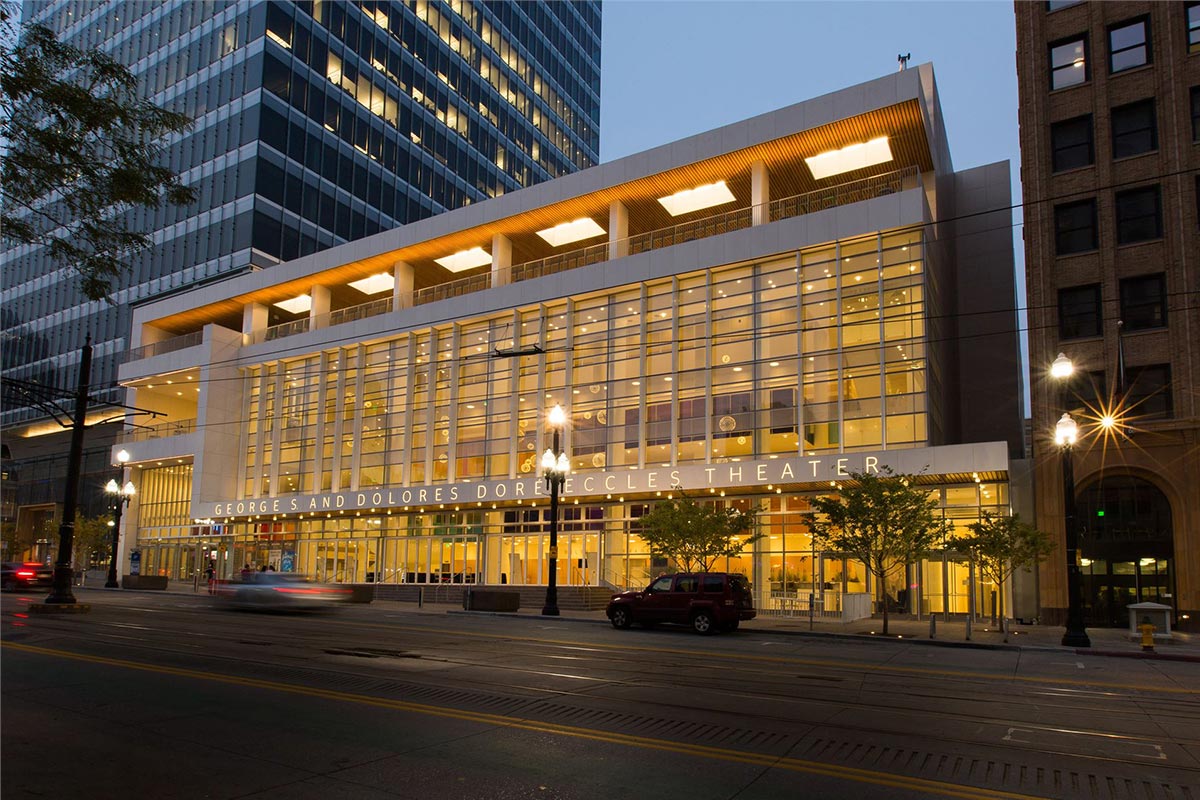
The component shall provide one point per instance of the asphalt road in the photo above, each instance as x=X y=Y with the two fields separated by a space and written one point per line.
x=164 y=696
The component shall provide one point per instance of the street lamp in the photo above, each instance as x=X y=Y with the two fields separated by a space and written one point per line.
x=555 y=466
x=1066 y=431
x=121 y=495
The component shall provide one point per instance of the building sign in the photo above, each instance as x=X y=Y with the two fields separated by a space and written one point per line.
x=815 y=470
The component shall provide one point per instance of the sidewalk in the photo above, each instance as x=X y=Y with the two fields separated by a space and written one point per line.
x=1105 y=641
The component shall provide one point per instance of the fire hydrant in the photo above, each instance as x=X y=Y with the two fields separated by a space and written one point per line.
x=1147 y=630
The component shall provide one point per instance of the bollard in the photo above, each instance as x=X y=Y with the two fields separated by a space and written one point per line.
x=421 y=597
x=968 y=627
x=1147 y=630
x=1004 y=628
x=932 y=626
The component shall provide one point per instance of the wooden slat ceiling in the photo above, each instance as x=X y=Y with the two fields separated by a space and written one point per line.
x=784 y=157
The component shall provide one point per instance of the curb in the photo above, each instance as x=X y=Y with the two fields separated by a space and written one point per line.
x=1149 y=656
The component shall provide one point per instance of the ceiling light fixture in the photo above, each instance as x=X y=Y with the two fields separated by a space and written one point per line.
x=849 y=158
x=465 y=259
x=706 y=196
x=374 y=284
x=574 y=231
x=296 y=305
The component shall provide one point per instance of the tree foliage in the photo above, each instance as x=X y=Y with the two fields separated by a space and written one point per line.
x=1000 y=546
x=92 y=536
x=694 y=535
x=881 y=519
x=81 y=151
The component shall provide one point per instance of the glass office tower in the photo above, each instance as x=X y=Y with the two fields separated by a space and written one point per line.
x=316 y=123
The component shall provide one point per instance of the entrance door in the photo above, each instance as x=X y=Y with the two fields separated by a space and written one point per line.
x=1126 y=547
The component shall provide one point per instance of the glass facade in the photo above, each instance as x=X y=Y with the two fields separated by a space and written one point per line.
x=316 y=123
x=812 y=352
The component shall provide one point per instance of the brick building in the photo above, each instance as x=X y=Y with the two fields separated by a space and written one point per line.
x=1110 y=141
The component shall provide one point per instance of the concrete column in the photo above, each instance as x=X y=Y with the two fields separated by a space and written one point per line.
x=318 y=312
x=760 y=193
x=618 y=230
x=402 y=290
x=501 y=260
x=254 y=321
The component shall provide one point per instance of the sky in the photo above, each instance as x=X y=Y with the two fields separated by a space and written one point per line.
x=674 y=68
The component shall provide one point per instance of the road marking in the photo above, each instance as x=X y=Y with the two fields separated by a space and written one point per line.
x=701 y=751
x=856 y=665
x=1068 y=663
x=1122 y=744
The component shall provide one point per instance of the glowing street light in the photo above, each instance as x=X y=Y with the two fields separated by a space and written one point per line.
x=121 y=495
x=1066 y=432
x=555 y=466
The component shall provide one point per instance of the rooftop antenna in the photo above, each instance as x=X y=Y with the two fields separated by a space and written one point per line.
x=902 y=60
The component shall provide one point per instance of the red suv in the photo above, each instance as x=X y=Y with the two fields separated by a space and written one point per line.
x=708 y=601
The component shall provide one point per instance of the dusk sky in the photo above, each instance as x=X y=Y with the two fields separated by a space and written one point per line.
x=673 y=68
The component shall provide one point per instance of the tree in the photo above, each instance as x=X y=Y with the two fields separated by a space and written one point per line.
x=694 y=535
x=881 y=519
x=1000 y=546
x=81 y=153
x=92 y=535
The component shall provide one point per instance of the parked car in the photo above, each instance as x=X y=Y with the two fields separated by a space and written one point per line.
x=708 y=601
x=278 y=591
x=16 y=576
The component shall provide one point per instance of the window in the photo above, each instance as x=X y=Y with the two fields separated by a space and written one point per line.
x=1071 y=143
x=1193 y=27
x=1149 y=392
x=1068 y=63
x=1128 y=45
x=1055 y=5
x=1144 y=302
x=1079 y=312
x=1075 y=227
x=1134 y=129
x=1139 y=215
x=1196 y=113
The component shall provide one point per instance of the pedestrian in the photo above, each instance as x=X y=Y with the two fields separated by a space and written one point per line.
x=247 y=572
x=211 y=575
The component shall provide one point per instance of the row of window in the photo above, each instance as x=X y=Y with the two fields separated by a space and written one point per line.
x=1143 y=306
x=1129 y=46
x=1142 y=393
x=1134 y=129
x=1138 y=216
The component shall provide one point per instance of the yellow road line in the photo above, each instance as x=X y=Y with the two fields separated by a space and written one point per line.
x=1069 y=682
x=700 y=751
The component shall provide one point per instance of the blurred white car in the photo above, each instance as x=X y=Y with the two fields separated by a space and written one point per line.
x=279 y=591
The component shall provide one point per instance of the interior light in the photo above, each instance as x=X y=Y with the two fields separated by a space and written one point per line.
x=849 y=158
x=374 y=284
x=706 y=196
x=296 y=305
x=465 y=259
x=575 y=231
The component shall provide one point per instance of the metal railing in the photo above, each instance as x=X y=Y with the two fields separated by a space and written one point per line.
x=165 y=346
x=727 y=222
x=455 y=288
x=145 y=433
x=281 y=331
x=370 y=309
x=845 y=193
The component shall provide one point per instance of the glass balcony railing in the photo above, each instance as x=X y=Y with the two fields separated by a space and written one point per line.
x=144 y=433
x=165 y=346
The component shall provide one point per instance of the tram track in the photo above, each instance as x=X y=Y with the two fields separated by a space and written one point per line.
x=525 y=699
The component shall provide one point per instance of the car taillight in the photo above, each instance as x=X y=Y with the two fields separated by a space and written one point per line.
x=25 y=573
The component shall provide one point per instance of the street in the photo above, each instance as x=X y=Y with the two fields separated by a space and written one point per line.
x=165 y=696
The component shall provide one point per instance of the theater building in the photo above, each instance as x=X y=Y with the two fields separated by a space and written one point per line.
x=749 y=314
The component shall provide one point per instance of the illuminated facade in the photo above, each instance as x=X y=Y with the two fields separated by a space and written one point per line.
x=714 y=317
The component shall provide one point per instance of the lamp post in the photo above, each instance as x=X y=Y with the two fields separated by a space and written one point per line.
x=555 y=467
x=121 y=496
x=1066 y=431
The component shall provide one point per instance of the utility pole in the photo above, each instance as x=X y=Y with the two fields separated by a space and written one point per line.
x=60 y=590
